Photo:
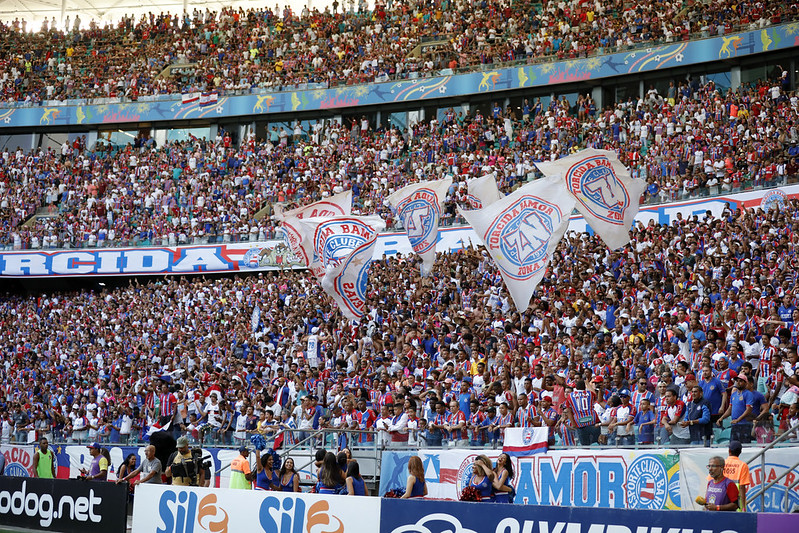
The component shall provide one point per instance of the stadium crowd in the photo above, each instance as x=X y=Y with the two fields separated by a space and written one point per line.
x=235 y=51
x=689 y=325
x=694 y=139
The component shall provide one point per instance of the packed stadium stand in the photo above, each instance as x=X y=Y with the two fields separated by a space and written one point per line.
x=701 y=299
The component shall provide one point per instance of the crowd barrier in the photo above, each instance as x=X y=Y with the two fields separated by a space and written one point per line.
x=66 y=506
x=275 y=255
x=165 y=509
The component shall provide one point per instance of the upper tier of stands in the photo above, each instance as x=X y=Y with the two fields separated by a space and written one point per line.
x=236 y=50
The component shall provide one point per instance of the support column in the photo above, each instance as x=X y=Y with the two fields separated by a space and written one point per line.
x=735 y=78
x=596 y=94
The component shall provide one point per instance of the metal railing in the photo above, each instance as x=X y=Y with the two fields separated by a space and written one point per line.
x=762 y=456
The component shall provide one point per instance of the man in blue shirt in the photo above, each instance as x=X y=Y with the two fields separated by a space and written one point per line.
x=713 y=391
x=739 y=411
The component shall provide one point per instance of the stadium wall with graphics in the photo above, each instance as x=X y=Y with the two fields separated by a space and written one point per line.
x=620 y=479
x=275 y=255
x=167 y=509
x=678 y=54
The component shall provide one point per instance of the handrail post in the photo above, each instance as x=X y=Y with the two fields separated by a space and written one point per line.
x=762 y=481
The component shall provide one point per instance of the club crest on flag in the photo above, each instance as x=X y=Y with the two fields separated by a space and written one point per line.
x=521 y=233
x=594 y=183
x=335 y=240
x=473 y=201
x=420 y=212
x=528 y=436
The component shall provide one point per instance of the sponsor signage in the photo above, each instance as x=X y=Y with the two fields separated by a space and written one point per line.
x=171 y=509
x=633 y=479
x=63 y=505
x=420 y=516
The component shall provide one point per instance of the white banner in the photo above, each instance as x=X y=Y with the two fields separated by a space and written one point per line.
x=337 y=205
x=419 y=207
x=173 y=509
x=521 y=231
x=693 y=466
x=606 y=195
x=483 y=191
x=343 y=247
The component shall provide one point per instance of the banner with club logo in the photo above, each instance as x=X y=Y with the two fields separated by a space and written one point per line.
x=419 y=208
x=521 y=231
x=483 y=191
x=621 y=478
x=605 y=193
x=342 y=247
x=337 y=205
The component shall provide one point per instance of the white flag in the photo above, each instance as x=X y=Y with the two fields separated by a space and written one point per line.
x=483 y=191
x=343 y=246
x=607 y=196
x=337 y=205
x=520 y=232
x=419 y=207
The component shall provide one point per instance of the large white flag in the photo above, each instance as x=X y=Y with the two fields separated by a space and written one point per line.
x=419 y=207
x=607 y=196
x=343 y=246
x=483 y=191
x=337 y=205
x=520 y=232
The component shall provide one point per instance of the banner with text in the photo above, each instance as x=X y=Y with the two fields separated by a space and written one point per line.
x=172 y=509
x=633 y=479
x=18 y=460
x=68 y=506
x=421 y=516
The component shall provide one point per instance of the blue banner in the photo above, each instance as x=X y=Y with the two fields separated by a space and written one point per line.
x=657 y=57
x=424 y=516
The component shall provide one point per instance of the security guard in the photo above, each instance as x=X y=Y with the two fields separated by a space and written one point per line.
x=240 y=474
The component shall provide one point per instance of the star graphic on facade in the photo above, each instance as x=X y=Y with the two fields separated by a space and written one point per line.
x=219 y=109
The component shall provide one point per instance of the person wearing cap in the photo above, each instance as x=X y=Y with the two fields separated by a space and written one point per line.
x=739 y=410
x=98 y=471
x=621 y=417
x=738 y=472
x=549 y=416
x=180 y=466
x=240 y=474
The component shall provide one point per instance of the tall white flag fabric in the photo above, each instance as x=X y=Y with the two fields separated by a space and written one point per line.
x=337 y=205
x=419 y=207
x=343 y=246
x=607 y=196
x=483 y=191
x=521 y=231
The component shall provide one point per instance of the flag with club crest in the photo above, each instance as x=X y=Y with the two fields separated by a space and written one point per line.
x=483 y=191
x=419 y=207
x=521 y=231
x=343 y=247
x=606 y=195
x=523 y=442
x=337 y=205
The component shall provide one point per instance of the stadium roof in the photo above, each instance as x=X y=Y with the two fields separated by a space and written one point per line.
x=35 y=11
